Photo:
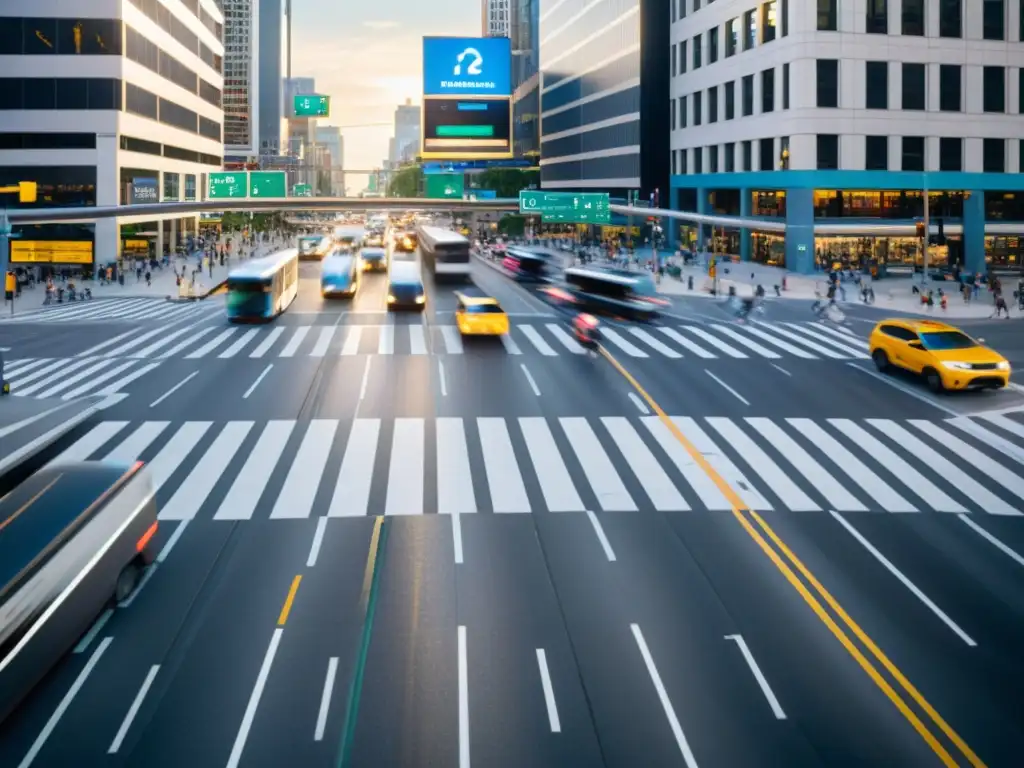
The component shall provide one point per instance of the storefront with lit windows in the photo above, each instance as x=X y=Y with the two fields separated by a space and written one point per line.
x=965 y=205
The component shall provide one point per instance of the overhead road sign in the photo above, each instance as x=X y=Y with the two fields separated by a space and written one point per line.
x=447 y=186
x=302 y=190
x=312 y=105
x=228 y=185
x=267 y=184
x=579 y=207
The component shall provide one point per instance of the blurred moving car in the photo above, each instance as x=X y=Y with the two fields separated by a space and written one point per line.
x=478 y=314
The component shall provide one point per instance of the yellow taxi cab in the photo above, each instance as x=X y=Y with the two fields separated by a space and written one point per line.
x=480 y=315
x=945 y=356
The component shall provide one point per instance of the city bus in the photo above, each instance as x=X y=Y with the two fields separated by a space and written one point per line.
x=314 y=247
x=261 y=289
x=349 y=237
x=339 y=275
x=75 y=538
x=444 y=252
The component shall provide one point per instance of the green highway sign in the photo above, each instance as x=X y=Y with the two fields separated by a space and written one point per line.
x=312 y=105
x=445 y=186
x=302 y=190
x=267 y=184
x=580 y=207
x=228 y=185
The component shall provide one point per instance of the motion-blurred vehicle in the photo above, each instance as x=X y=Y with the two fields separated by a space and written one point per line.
x=314 y=247
x=261 y=289
x=445 y=253
x=374 y=259
x=530 y=264
x=404 y=242
x=945 y=356
x=339 y=275
x=373 y=240
x=405 y=286
x=74 y=539
x=478 y=314
x=620 y=292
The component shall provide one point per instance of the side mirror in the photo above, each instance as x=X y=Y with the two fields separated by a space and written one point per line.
x=916 y=345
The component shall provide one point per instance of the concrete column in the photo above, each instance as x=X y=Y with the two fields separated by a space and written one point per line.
x=108 y=242
x=159 y=240
x=173 y=243
x=800 y=231
x=746 y=203
x=702 y=229
x=974 y=232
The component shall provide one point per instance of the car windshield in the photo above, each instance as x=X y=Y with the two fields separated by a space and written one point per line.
x=947 y=340
x=484 y=309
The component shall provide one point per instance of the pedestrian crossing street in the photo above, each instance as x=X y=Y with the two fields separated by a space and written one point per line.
x=807 y=340
x=77 y=377
x=115 y=309
x=240 y=470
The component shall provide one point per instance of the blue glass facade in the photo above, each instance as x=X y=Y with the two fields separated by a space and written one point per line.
x=271 y=85
x=526 y=78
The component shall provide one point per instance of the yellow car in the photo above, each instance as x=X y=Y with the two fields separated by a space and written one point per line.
x=946 y=356
x=480 y=315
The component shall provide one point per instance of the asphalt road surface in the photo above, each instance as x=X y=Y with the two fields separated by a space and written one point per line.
x=382 y=545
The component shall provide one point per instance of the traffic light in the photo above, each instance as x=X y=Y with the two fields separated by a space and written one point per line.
x=920 y=229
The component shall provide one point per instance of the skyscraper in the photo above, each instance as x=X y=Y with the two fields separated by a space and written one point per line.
x=241 y=85
x=495 y=17
x=525 y=78
x=329 y=136
x=268 y=70
x=407 y=133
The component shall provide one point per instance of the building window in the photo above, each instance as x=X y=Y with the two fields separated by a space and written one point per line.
x=10 y=141
x=712 y=45
x=766 y=155
x=768 y=90
x=877 y=17
x=993 y=156
x=785 y=17
x=828 y=83
x=876 y=153
x=748 y=155
x=696 y=52
x=682 y=15
x=912 y=18
x=713 y=159
x=951 y=23
x=698 y=159
x=993 y=20
x=682 y=160
x=48 y=93
x=730 y=100
x=141 y=102
x=730 y=157
x=731 y=37
x=913 y=153
x=696 y=5
x=785 y=85
x=682 y=111
x=697 y=108
x=672 y=108
x=748 y=95
x=951 y=154
x=876 y=85
x=827 y=15
x=949 y=87
x=682 y=57
x=713 y=105
x=171 y=182
x=828 y=152
x=749 y=30
x=674 y=65
x=994 y=89
x=768 y=20
x=913 y=86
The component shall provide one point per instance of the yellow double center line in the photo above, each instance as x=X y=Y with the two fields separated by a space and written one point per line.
x=779 y=555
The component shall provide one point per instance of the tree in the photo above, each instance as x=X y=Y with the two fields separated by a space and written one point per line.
x=507 y=182
x=406 y=182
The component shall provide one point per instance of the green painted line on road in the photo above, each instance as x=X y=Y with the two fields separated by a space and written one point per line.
x=368 y=600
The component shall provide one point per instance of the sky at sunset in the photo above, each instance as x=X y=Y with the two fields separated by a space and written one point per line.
x=366 y=54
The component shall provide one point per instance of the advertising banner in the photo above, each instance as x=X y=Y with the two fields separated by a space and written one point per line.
x=467 y=66
x=51 y=252
x=145 y=190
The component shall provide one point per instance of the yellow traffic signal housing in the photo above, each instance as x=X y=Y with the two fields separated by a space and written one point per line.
x=27 y=191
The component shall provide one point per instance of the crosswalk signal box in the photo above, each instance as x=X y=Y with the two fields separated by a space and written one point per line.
x=10 y=286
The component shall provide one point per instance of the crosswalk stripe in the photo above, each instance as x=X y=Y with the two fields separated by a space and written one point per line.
x=721 y=463
x=946 y=469
x=455 y=494
x=504 y=480
x=774 y=477
x=104 y=344
x=709 y=493
x=548 y=467
x=238 y=345
x=823 y=350
x=127 y=345
x=1003 y=446
x=608 y=487
x=654 y=343
x=251 y=481
x=537 y=340
x=212 y=344
x=822 y=479
x=55 y=370
x=452 y=340
x=856 y=353
x=166 y=339
x=18 y=372
x=845 y=335
x=188 y=499
x=658 y=486
x=1010 y=480
x=293 y=344
x=910 y=477
x=351 y=345
x=1005 y=424
x=323 y=342
x=267 y=343
x=748 y=343
x=129 y=451
x=684 y=342
x=95 y=381
x=510 y=345
x=386 y=341
x=622 y=343
x=24 y=366
x=797 y=351
x=65 y=381
x=300 y=486
x=879 y=490
x=405 y=475
x=91 y=442
x=417 y=340
x=730 y=350
x=565 y=339
x=352 y=492
x=177 y=449
x=199 y=334
x=121 y=383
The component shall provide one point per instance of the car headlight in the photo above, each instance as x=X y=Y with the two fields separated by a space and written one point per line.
x=956 y=366
x=1002 y=365
x=421 y=299
x=391 y=298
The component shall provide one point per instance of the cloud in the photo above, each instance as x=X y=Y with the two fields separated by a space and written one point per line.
x=380 y=24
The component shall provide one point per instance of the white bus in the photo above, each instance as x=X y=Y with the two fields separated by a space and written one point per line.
x=444 y=253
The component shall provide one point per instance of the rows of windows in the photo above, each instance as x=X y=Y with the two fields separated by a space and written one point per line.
x=12 y=140
x=757 y=26
x=691 y=109
x=61 y=37
x=731 y=157
x=914 y=84
x=146 y=147
x=152 y=57
x=64 y=185
x=912 y=18
x=177 y=29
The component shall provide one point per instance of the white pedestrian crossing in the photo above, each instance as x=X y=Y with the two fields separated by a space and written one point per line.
x=116 y=310
x=286 y=469
x=72 y=378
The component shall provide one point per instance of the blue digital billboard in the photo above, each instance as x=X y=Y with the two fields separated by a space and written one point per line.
x=467 y=66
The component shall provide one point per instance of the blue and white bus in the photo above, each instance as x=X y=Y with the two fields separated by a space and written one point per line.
x=444 y=252
x=339 y=275
x=314 y=247
x=263 y=288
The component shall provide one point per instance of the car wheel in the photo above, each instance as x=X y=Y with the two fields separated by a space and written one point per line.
x=127 y=580
x=934 y=380
x=881 y=359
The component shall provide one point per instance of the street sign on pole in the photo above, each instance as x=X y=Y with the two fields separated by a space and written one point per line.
x=580 y=207
x=228 y=185
x=267 y=184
